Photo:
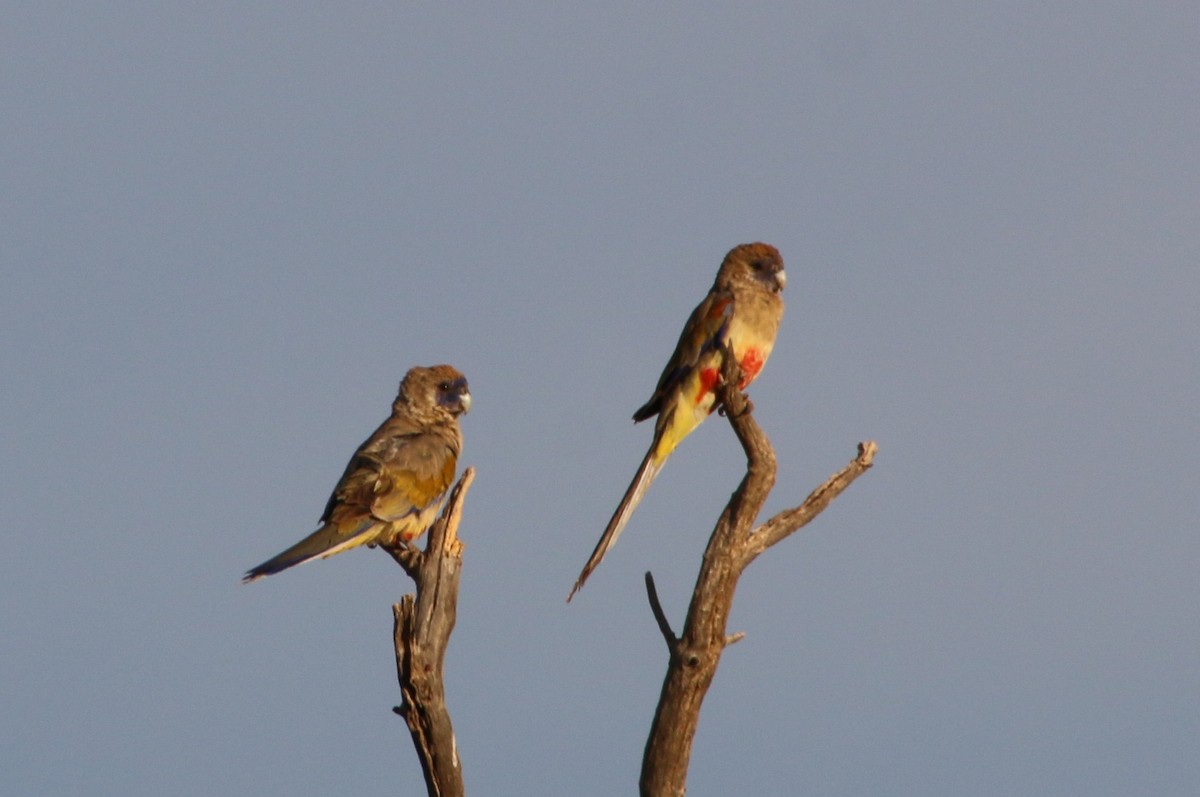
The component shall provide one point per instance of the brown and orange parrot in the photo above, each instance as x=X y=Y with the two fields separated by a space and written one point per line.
x=394 y=484
x=741 y=312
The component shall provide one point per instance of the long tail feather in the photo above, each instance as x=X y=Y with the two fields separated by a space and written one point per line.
x=325 y=541
x=633 y=496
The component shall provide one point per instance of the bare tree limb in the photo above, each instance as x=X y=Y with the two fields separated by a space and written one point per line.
x=792 y=520
x=660 y=616
x=421 y=633
x=695 y=654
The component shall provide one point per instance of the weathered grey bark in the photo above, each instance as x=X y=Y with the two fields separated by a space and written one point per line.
x=734 y=544
x=422 y=631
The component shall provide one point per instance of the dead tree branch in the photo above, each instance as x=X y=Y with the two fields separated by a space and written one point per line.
x=423 y=624
x=695 y=653
x=660 y=617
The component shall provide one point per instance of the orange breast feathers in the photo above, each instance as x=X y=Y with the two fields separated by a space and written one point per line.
x=752 y=362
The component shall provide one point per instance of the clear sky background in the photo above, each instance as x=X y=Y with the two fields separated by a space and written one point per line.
x=230 y=228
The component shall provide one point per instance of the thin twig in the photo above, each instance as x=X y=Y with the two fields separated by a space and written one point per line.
x=660 y=616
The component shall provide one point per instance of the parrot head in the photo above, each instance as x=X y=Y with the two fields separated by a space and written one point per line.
x=755 y=265
x=439 y=386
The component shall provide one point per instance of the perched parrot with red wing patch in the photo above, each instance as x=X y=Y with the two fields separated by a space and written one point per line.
x=394 y=484
x=742 y=311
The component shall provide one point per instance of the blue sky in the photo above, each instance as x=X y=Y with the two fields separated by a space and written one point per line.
x=230 y=228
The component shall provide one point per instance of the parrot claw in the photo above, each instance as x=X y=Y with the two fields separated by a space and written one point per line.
x=723 y=411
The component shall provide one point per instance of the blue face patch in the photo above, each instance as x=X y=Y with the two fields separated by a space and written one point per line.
x=454 y=395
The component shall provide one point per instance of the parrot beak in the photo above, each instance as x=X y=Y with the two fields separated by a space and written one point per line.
x=780 y=279
x=464 y=399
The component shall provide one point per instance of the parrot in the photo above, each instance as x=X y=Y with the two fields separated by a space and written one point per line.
x=393 y=486
x=741 y=312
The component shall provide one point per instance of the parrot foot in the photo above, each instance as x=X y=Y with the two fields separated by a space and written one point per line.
x=724 y=412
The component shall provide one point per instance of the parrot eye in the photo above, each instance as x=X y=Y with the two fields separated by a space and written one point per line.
x=444 y=387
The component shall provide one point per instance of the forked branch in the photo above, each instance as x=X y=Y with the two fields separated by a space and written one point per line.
x=734 y=543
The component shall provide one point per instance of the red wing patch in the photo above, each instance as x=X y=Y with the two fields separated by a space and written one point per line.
x=708 y=383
